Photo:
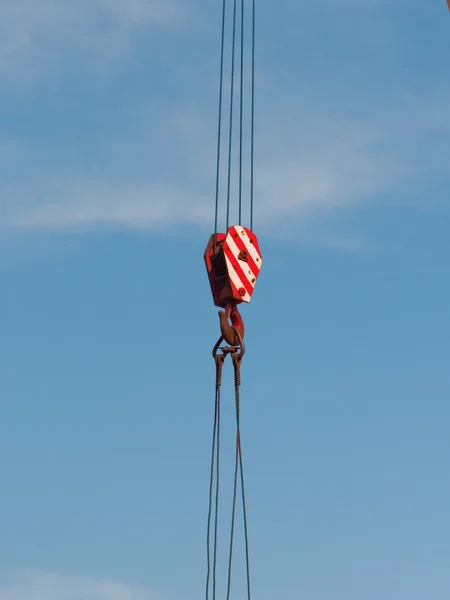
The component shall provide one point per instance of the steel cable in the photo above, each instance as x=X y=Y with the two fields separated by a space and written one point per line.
x=215 y=462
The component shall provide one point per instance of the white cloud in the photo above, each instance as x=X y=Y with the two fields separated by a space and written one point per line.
x=97 y=204
x=34 y=35
x=321 y=165
x=48 y=586
x=313 y=157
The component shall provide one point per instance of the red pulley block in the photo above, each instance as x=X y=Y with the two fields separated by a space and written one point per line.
x=233 y=261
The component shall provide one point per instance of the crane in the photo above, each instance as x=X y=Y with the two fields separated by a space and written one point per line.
x=233 y=262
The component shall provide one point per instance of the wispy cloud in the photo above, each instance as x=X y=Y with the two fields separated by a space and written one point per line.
x=334 y=163
x=38 y=37
x=315 y=154
x=49 y=586
x=94 y=203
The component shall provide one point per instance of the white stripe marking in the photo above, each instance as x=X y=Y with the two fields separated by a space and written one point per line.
x=249 y=275
x=249 y=247
x=235 y=279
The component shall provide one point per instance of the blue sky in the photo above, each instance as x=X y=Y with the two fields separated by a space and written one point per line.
x=107 y=154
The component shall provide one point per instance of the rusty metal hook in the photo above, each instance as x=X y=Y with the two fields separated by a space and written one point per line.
x=232 y=333
x=232 y=348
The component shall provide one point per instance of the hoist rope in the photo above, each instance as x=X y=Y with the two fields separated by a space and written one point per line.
x=241 y=113
x=238 y=468
x=230 y=134
x=219 y=129
x=231 y=113
x=252 y=118
x=215 y=456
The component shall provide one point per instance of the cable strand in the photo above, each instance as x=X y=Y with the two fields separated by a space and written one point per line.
x=215 y=455
x=230 y=139
x=233 y=515
x=252 y=119
x=244 y=510
x=238 y=468
x=219 y=127
x=241 y=116
x=216 y=518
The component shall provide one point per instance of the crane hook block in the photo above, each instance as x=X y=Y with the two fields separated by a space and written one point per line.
x=233 y=261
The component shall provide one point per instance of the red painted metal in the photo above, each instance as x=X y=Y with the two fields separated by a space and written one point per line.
x=228 y=331
x=233 y=261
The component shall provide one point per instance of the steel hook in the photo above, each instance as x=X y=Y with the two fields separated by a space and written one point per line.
x=232 y=333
